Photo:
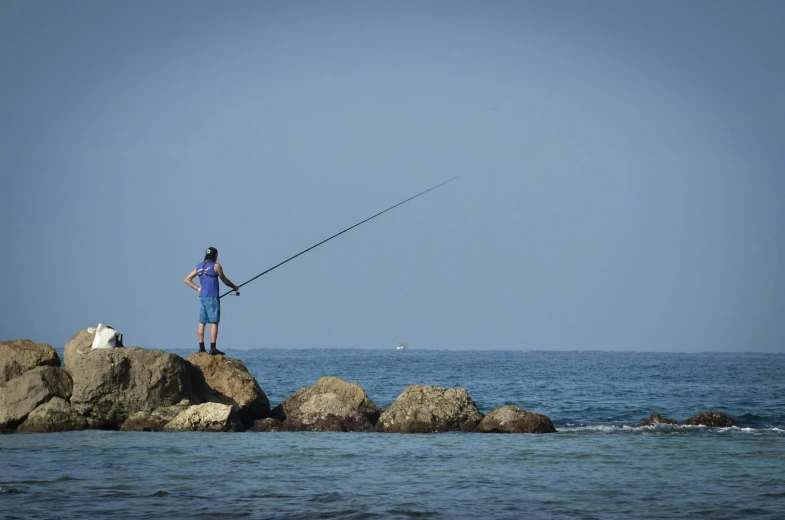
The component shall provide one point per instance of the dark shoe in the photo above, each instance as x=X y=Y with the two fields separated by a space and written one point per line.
x=202 y=349
x=214 y=352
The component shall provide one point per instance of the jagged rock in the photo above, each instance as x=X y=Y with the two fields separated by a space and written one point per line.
x=17 y=356
x=229 y=382
x=715 y=419
x=327 y=412
x=79 y=344
x=655 y=419
x=153 y=421
x=267 y=425
x=512 y=419
x=426 y=409
x=207 y=417
x=56 y=415
x=111 y=384
x=23 y=394
x=350 y=394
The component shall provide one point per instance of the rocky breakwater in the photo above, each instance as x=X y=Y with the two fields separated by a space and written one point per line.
x=122 y=388
x=137 y=389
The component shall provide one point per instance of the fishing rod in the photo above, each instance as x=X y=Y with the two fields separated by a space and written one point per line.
x=335 y=235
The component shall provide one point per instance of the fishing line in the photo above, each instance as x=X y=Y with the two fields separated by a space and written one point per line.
x=337 y=234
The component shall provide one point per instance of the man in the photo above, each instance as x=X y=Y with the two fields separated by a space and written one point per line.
x=210 y=305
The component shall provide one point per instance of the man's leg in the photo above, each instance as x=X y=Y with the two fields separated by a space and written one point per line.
x=214 y=339
x=200 y=336
x=215 y=318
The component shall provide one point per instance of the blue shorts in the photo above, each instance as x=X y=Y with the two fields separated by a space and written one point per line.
x=209 y=310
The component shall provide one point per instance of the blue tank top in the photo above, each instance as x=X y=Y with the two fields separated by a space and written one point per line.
x=208 y=279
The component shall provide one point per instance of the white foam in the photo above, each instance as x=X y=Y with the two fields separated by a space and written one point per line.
x=661 y=427
x=596 y=428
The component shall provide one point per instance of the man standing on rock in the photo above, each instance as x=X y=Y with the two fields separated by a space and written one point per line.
x=210 y=304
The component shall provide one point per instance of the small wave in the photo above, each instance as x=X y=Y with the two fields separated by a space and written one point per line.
x=662 y=428
x=605 y=428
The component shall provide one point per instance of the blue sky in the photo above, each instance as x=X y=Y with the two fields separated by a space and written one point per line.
x=621 y=172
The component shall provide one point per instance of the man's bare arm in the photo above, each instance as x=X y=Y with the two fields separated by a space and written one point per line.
x=189 y=280
x=220 y=271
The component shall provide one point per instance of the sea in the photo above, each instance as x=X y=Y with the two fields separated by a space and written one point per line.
x=598 y=465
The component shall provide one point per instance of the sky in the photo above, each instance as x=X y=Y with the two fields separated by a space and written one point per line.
x=621 y=172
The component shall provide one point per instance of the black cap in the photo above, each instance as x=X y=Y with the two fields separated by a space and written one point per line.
x=210 y=252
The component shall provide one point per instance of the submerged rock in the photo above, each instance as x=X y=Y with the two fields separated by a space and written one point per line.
x=715 y=419
x=228 y=381
x=655 y=419
x=23 y=394
x=111 y=384
x=330 y=404
x=512 y=419
x=267 y=425
x=426 y=409
x=20 y=355
x=207 y=417
x=55 y=416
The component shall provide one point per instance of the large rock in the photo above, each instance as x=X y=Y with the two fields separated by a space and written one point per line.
x=207 y=417
x=80 y=343
x=55 y=415
x=655 y=419
x=23 y=394
x=111 y=384
x=715 y=419
x=229 y=382
x=350 y=394
x=511 y=419
x=426 y=409
x=17 y=356
x=153 y=421
x=327 y=412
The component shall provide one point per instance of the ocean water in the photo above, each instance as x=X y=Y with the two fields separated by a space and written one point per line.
x=596 y=466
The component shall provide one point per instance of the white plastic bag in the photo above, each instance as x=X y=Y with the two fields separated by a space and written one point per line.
x=107 y=337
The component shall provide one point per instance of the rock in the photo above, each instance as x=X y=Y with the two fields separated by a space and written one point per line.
x=655 y=419
x=511 y=419
x=267 y=425
x=327 y=412
x=56 y=415
x=23 y=394
x=79 y=344
x=153 y=421
x=229 y=382
x=207 y=417
x=715 y=419
x=351 y=394
x=20 y=355
x=426 y=409
x=111 y=384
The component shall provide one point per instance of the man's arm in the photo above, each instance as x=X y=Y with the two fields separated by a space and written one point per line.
x=220 y=272
x=189 y=280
